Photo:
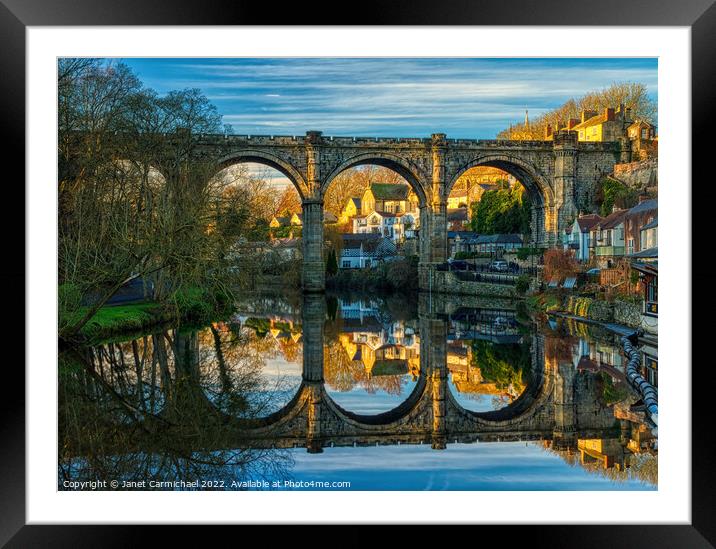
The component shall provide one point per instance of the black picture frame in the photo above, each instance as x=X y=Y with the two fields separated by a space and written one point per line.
x=16 y=15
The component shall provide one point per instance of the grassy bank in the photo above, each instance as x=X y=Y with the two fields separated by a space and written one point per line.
x=193 y=306
x=543 y=302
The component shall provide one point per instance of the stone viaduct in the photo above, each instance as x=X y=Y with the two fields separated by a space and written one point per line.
x=559 y=175
x=558 y=405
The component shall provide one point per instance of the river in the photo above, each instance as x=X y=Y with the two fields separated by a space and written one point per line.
x=355 y=392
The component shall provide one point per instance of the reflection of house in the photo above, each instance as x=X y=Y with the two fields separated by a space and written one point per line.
x=381 y=349
x=577 y=236
x=365 y=250
x=608 y=452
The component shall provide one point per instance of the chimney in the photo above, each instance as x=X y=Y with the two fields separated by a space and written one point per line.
x=627 y=114
x=609 y=113
x=548 y=130
x=586 y=115
x=572 y=122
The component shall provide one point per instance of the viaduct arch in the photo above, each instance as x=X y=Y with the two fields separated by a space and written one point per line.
x=560 y=176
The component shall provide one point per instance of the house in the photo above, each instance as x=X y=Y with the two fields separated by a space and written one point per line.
x=396 y=226
x=389 y=197
x=457 y=199
x=461 y=241
x=607 y=238
x=288 y=248
x=280 y=221
x=494 y=243
x=577 y=236
x=637 y=217
x=645 y=262
x=607 y=126
x=648 y=235
x=457 y=219
x=365 y=250
x=350 y=210
x=644 y=143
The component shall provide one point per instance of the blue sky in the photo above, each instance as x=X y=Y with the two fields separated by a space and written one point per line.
x=405 y=97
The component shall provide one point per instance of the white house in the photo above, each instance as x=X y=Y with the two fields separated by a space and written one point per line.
x=578 y=236
x=395 y=226
x=365 y=250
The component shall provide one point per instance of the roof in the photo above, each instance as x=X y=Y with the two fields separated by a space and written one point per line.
x=641 y=122
x=369 y=241
x=283 y=220
x=586 y=222
x=328 y=217
x=649 y=253
x=645 y=206
x=356 y=201
x=457 y=214
x=383 y=213
x=647 y=268
x=593 y=121
x=461 y=234
x=499 y=239
x=613 y=219
x=390 y=191
x=287 y=242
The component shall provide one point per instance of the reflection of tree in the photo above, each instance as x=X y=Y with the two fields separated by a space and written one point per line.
x=157 y=408
x=343 y=374
x=643 y=467
x=507 y=366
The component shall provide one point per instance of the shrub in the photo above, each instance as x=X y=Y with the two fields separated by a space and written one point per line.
x=522 y=284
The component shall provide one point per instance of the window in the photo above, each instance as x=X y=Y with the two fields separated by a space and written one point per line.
x=631 y=245
x=651 y=370
x=651 y=297
x=346 y=264
x=644 y=133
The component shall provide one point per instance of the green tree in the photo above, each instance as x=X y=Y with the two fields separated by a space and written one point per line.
x=501 y=211
x=331 y=263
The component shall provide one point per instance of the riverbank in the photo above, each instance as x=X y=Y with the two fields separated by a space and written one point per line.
x=618 y=312
x=193 y=306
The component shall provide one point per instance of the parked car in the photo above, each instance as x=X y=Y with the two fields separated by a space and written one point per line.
x=499 y=265
x=459 y=265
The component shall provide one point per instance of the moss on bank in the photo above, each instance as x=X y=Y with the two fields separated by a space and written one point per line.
x=194 y=305
x=544 y=302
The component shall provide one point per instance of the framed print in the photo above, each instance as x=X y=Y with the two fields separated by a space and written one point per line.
x=403 y=271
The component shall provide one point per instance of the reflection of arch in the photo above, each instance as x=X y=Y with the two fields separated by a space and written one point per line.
x=384 y=418
x=537 y=392
x=386 y=160
x=268 y=159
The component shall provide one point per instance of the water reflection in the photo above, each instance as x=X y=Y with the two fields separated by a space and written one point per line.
x=341 y=375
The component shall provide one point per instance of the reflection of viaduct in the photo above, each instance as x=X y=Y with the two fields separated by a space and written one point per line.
x=558 y=405
x=559 y=175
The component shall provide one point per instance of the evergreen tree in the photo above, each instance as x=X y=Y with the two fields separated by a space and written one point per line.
x=331 y=263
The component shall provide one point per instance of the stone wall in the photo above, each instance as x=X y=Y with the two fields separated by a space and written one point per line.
x=627 y=313
x=621 y=312
x=447 y=282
